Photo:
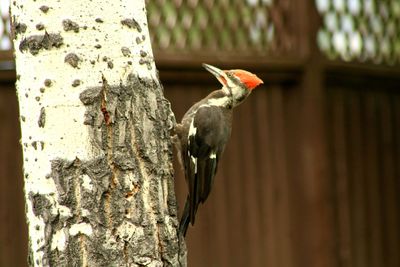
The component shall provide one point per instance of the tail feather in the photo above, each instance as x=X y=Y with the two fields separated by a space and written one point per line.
x=184 y=223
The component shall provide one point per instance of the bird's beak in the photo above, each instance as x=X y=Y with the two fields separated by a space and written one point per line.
x=219 y=74
x=214 y=70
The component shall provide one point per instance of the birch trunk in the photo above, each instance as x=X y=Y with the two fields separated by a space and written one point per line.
x=95 y=136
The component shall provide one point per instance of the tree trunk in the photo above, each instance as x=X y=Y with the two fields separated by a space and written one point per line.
x=95 y=134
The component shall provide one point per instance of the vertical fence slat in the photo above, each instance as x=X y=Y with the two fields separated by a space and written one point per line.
x=281 y=201
x=300 y=219
x=266 y=177
x=395 y=104
x=389 y=190
x=339 y=148
x=371 y=160
x=249 y=181
x=357 y=184
x=13 y=229
x=235 y=195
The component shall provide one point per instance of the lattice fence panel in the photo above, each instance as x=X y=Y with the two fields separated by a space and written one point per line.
x=211 y=25
x=361 y=30
x=193 y=25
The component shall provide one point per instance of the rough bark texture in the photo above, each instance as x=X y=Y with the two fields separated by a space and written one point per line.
x=96 y=138
x=122 y=205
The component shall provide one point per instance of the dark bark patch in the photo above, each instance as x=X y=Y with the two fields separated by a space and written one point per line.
x=48 y=82
x=72 y=59
x=34 y=144
x=76 y=83
x=44 y=9
x=40 y=204
x=89 y=96
x=88 y=119
x=143 y=53
x=63 y=173
x=42 y=118
x=131 y=24
x=35 y=43
x=126 y=51
x=123 y=162
x=147 y=62
x=18 y=28
x=39 y=26
x=70 y=25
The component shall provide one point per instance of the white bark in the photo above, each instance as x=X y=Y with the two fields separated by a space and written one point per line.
x=97 y=161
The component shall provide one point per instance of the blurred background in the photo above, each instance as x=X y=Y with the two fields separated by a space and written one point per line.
x=311 y=176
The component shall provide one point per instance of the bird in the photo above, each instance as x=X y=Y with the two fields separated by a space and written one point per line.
x=201 y=136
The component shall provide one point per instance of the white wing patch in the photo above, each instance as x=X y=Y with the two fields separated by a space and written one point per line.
x=194 y=160
x=192 y=129
x=192 y=132
x=213 y=155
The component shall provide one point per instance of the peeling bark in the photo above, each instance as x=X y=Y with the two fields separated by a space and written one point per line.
x=97 y=152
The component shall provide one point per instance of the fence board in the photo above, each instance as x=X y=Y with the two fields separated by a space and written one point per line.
x=388 y=192
x=249 y=181
x=371 y=163
x=339 y=157
x=281 y=199
x=358 y=199
x=364 y=142
x=266 y=178
x=13 y=229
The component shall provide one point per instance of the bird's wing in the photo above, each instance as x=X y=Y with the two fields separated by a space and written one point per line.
x=207 y=137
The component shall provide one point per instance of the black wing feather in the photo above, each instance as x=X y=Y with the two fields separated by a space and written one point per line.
x=209 y=173
x=212 y=132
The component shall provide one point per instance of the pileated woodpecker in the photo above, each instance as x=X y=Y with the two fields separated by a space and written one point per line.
x=203 y=133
